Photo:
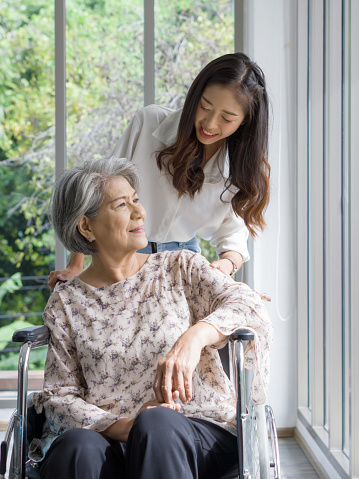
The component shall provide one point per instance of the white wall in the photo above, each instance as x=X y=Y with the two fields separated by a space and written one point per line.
x=272 y=44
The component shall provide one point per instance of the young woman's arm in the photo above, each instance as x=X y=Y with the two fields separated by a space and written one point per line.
x=229 y=262
x=74 y=268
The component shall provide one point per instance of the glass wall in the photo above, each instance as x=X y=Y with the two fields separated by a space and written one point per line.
x=105 y=71
x=188 y=35
x=326 y=62
x=26 y=166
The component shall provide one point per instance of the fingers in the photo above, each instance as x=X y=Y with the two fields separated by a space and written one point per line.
x=174 y=407
x=167 y=384
x=178 y=384
x=174 y=371
x=162 y=385
x=223 y=266
x=59 y=275
x=154 y=403
x=188 y=390
x=52 y=280
x=171 y=383
x=157 y=385
x=175 y=395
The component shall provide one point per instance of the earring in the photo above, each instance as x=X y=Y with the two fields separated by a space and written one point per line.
x=90 y=239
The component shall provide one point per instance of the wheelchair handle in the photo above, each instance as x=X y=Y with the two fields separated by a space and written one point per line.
x=242 y=335
x=31 y=334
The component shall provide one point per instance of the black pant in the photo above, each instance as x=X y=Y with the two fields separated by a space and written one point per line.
x=163 y=444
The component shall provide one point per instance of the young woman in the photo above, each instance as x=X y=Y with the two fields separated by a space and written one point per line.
x=204 y=168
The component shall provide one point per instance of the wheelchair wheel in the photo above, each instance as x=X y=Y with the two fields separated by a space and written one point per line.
x=256 y=454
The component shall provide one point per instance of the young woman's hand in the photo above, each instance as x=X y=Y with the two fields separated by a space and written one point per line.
x=223 y=265
x=74 y=268
x=61 y=275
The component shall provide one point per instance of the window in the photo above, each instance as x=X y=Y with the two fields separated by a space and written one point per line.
x=75 y=72
x=27 y=122
x=326 y=64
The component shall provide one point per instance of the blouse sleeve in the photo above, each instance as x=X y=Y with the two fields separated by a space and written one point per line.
x=231 y=235
x=65 y=387
x=227 y=305
x=126 y=145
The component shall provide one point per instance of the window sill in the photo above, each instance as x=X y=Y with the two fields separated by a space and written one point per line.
x=8 y=380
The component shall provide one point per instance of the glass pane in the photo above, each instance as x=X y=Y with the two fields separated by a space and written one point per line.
x=345 y=306
x=188 y=35
x=345 y=234
x=104 y=62
x=309 y=233
x=26 y=167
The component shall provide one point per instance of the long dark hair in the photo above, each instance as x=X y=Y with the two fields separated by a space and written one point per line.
x=249 y=170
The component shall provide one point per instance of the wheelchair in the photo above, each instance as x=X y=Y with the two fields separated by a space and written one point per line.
x=253 y=422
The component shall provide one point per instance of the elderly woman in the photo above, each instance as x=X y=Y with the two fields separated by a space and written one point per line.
x=134 y=386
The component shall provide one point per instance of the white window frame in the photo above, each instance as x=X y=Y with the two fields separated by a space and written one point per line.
x=327 y=229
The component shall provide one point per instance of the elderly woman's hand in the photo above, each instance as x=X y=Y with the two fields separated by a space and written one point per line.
x=175 y=370
x=119 y=430
x=155 y=403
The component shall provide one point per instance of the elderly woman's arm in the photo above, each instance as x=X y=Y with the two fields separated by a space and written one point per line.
x=64 y=383
x=218 y=307
x=65 y=386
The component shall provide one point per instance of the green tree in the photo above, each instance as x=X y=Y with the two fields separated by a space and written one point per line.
x=104 y=53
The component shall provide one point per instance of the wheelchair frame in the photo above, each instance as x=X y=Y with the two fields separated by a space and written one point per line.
x=34 y=337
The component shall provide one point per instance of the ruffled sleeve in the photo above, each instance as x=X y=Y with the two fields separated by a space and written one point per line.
x=63 y=395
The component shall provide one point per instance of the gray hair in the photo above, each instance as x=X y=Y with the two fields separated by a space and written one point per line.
x=80 y=192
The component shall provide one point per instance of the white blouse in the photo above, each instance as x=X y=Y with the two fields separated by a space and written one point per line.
x=170 y=218
x=105 y=344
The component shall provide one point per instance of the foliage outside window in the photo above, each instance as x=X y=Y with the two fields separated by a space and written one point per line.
x=104 y=62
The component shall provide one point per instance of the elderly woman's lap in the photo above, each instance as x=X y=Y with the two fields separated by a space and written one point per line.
x=178 y=447
x=162 y=444
x=82 y=453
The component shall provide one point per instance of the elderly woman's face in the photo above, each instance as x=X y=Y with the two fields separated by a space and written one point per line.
x=119 y=224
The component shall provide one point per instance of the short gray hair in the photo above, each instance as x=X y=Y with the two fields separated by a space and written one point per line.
x=80 y=192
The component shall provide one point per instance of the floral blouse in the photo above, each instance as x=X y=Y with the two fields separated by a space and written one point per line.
x=105 y=344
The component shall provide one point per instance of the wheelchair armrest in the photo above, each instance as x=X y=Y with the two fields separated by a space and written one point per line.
x=31 y=334
x=242 y=335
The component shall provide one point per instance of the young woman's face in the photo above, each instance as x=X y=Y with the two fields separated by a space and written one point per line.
x=218 y=116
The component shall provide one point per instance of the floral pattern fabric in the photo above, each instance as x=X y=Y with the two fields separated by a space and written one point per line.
x=106 y=342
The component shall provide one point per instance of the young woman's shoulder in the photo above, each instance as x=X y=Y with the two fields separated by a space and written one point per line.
x=152 y=114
